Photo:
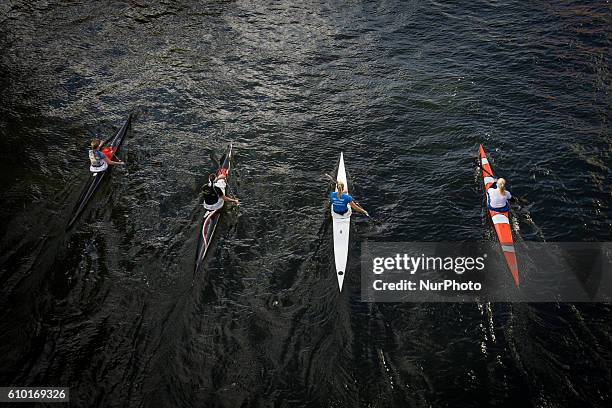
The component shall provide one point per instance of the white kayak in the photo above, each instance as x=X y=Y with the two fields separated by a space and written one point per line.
x=342 y=226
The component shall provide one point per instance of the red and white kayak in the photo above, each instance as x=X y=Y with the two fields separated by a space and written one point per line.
x=501 y=220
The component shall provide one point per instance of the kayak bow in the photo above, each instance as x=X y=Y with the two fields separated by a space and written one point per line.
x=341 y=226
x=501 y=220
x=95 y=179
x=211 y=218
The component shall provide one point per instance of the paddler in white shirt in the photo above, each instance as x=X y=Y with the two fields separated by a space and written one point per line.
x=498 y=196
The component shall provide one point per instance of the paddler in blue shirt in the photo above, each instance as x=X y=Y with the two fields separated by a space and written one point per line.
x=341 y=201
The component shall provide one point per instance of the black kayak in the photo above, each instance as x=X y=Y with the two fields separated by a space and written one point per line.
x=95 y=179
x=211 y=218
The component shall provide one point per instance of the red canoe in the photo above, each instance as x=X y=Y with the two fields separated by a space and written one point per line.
x=501 y=221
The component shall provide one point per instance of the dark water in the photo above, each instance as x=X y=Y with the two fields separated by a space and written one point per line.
x=406 y=89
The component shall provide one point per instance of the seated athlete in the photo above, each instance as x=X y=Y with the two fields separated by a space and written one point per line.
x=498 y=196
x=214 y=192
x=100 y=160
x=341 y=200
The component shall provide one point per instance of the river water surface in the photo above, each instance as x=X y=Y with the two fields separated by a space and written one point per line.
x=407 y=90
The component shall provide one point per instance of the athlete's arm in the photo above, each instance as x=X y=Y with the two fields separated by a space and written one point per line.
x=357 y=208
x=111 y=162
x=230 y=200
